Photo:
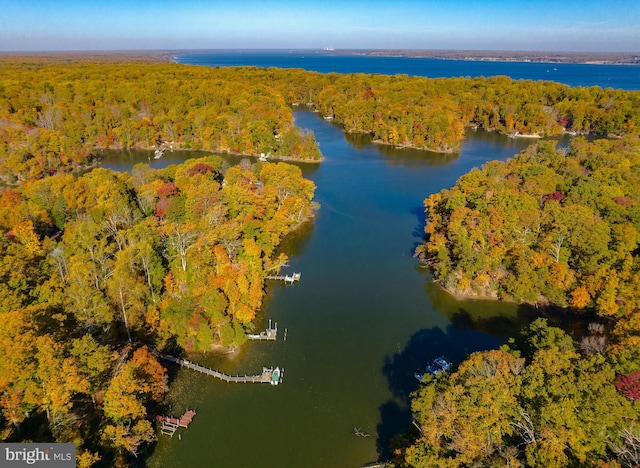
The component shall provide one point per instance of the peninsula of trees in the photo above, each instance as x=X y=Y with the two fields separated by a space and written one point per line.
x=550 y=227
x=537 y=402
x=98 y=270
x=54 y=115
x=94 y=269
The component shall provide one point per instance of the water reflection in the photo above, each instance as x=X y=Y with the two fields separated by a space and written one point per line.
x=294 y=244
x=403 y=157
x=123 y=160
x=419 y=233
x=398 y=368
x=409 y=157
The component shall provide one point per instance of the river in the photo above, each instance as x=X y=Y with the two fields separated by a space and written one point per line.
x=363 y=317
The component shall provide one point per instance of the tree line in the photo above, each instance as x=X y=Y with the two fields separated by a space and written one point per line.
x=431 y=114
x=53 y=115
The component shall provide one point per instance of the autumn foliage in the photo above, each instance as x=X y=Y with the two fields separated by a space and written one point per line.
x=547 y=227
x=551 y=227
x=97 y=269
x=629 y=385
x=536 y=402
x=55 y=115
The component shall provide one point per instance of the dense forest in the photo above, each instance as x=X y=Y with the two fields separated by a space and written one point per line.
x=550 y=227
x=53 y=115
x=431 y=114
x=99 y=269
x=537 y=401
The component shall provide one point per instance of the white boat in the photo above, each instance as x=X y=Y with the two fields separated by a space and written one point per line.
x=275 y=376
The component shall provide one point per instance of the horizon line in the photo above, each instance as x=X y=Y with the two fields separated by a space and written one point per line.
x=323 y=49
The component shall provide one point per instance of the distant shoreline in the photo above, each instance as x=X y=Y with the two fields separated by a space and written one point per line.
x=586 y=58
x=167 y=55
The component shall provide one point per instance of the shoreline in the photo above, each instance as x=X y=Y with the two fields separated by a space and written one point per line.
x=218 y=153
x=97 y=162
x=231 y=352
x=429 y=150
x=533 y=136
x=547 y=57
x=460 y=295
x=505 y=56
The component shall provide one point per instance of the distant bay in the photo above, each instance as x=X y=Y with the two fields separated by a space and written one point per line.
x=625 y=77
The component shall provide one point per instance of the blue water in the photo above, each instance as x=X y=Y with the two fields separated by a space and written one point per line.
x=361 y=320
x=606 y=76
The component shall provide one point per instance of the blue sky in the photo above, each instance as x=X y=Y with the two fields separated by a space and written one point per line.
x=561 y=25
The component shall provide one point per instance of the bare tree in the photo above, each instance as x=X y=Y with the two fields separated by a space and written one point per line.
x=594 y=344
x=182 y=238
x=525 y=427
x=557 y=247
x=628 y=451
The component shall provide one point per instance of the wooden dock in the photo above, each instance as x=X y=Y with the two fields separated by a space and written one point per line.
x=270 y=334
x=286 y=278
x=269 y=374
x=171 y=424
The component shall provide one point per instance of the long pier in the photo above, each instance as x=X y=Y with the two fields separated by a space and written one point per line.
x=286 y=278
x=269 y=374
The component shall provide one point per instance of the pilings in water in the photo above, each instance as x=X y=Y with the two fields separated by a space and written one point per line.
x=269 y=374
x=168 y=428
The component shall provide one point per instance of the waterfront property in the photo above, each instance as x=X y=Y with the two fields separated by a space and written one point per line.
x=270 y=334
x=269 y=374
x=286 y=278
x=368 y=303
x=171 y=424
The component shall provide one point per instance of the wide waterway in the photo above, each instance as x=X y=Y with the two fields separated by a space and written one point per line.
x=573 y=74
x=364 y=316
